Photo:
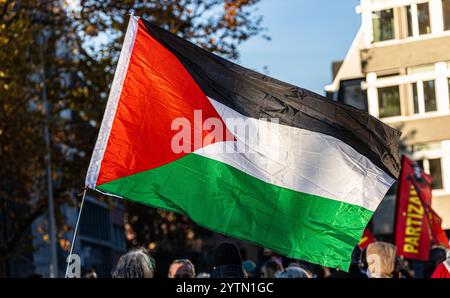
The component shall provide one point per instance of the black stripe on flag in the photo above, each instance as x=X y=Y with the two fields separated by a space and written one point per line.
x=259 y=96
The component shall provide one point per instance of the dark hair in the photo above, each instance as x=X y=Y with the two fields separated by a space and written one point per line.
x=437 y=255
x=226 y=254
x=227 y=262
x=135 y=264
x=275 y=266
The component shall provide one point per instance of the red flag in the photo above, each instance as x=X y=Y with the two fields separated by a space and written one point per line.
x=438 y=235
x=366 y=239
x=442 y=270
x=423 y=186
x=412 y=235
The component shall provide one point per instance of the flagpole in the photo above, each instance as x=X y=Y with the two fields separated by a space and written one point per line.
x=72 y=245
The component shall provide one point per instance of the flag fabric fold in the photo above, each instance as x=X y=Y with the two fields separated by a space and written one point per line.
x=304 y=184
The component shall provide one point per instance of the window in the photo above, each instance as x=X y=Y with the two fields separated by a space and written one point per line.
x=421 y=68
x=423 y=15
x=429 y=157
x=409 y=20
x=421 y=147
x=435 y=171
x=429 y=96
x=95 y=222
x=383 y=25
x=424 y=97
x=350 y=93
x=119 y=237
x=389 y=101
x=446 y=13
x=433 y=168
x=415 y=98
x=418 y=19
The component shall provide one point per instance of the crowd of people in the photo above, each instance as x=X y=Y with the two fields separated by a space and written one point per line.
x=378 y=260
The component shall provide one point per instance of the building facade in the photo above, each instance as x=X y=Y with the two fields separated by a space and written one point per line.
x=398 y=69
x=100 y=239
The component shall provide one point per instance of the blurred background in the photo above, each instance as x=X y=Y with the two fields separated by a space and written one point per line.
x=390 y=58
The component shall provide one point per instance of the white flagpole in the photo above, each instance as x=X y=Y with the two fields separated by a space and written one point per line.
x=72 y=245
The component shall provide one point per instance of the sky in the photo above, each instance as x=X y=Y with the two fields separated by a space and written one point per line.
x=306 y=36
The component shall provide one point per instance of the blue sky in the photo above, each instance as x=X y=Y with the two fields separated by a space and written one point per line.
x=306 y=37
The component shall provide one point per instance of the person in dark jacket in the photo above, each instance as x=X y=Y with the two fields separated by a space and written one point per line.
x=437 y=256
x=227 y=262
x=443 y=269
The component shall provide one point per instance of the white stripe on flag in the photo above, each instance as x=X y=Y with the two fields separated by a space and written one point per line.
x=301 y=160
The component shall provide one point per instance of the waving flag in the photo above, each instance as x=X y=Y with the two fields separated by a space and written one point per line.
x=412 y=235
x=418 y=226
x=438 y=235
x=303 y=177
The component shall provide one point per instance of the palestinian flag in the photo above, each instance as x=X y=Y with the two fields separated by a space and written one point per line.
x=304 y=184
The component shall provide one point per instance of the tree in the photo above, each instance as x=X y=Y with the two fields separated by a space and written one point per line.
x=84 y=41
x=21 y=123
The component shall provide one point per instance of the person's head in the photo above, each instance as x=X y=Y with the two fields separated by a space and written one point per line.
x=226 y=253
x=264 y=254
x=437 y=256
x=381 y=259
x=90 y=273
x=135 y=264
x=293 y=272
x=227 y=262
x=402 y=268
x=267 y=252
x=182 y=268
x=249 y=268
x=270 y=269
x=356 y=264
x=312 y=270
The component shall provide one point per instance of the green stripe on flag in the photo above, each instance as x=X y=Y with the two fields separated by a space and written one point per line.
x=226 y=200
